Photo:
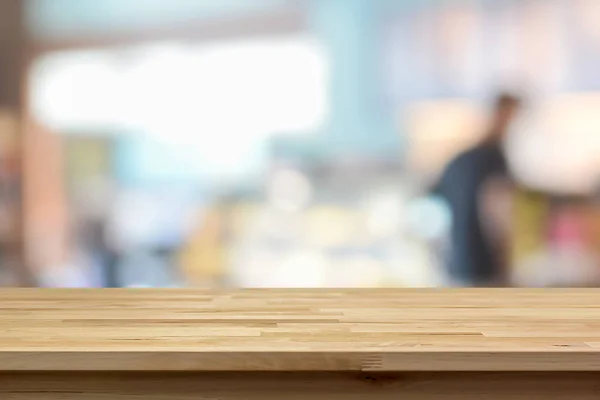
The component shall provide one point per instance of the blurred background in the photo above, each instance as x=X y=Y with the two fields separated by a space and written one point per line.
x=292 y=143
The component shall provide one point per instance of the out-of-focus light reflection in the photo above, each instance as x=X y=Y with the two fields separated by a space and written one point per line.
x=331 y=226
x=428 y=218
x=282 y=88
x=555 y=145
x=360 y=271
x=301 y=269
x=384 y=214
x=289 y=190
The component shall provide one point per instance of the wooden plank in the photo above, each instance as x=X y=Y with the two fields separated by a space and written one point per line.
x=300 y=330
x=249 y=386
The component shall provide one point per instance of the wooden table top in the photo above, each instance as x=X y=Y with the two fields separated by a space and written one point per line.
x=281 y=330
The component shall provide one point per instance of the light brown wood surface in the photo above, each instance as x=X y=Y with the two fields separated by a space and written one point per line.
x=300 y=330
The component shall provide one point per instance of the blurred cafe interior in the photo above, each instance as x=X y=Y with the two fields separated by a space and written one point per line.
x=291 y=143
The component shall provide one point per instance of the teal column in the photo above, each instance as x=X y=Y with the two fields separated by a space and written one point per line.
x=359 y=122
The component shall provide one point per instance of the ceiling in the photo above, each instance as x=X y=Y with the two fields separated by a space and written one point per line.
x=52 y=19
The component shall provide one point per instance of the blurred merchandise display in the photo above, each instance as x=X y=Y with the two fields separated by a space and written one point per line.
x=555 y=240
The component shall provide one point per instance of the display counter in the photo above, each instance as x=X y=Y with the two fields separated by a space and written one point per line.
x=299 y=344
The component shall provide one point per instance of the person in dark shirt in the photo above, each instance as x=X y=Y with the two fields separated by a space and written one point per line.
x=475 y=259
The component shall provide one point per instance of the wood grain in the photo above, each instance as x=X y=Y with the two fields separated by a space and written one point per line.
x=300 y=330
x=300 y=386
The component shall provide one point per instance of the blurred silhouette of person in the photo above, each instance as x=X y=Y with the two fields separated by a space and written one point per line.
x=474 y=185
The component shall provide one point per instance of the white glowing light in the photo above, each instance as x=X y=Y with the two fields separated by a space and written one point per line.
x=290 y=190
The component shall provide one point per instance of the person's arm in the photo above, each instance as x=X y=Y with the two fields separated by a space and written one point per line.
x=496 y=216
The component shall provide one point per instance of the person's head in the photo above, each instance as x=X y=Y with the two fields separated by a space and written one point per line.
x=506 y=107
